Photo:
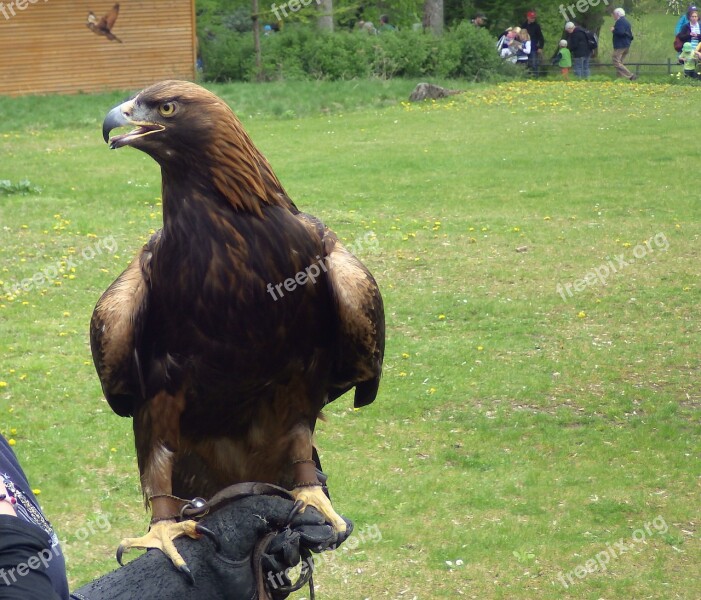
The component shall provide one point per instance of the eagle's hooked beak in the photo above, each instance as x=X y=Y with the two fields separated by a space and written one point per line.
x=121 y=116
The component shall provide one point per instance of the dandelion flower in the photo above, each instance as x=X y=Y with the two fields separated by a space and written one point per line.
x=441 y=317
x=581 y=314
x=11 y=441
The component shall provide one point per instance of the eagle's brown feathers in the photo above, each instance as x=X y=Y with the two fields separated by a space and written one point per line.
x=225 y=380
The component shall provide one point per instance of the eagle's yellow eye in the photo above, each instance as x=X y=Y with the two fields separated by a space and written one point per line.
x=167 y=109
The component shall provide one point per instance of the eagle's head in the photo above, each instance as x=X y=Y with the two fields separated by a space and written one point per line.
x=192 y=133
x=169 y=118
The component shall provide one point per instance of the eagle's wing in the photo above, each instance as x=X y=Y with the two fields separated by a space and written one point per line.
x=116 y=330
x=360 y=319
x=107 y=22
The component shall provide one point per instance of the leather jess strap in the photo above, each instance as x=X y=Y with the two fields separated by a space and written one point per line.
x=198 y=507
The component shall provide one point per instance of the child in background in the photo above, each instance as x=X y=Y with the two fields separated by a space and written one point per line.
x=524 y=49
x=563 y=59
x=688 y=57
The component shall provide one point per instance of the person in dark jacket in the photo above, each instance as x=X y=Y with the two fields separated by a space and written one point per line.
x=684 y=19
x=691 y=32
x=579 y=48
x=622 y=39
x=31 y=562
x=537 y=41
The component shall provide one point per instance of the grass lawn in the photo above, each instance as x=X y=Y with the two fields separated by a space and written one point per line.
x=537 y=432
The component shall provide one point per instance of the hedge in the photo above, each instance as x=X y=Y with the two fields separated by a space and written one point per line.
x=304 y=53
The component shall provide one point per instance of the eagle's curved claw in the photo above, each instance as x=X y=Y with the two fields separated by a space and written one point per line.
x=202 y=530
x=185 y=570
x=120 y=551
x=314 y=496
x=161 y=536
x=296 y=509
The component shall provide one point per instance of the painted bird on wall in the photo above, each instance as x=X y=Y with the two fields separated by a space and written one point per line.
x=104 y=25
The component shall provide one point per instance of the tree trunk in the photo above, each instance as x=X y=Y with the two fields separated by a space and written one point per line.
x=433 y=16
x=325 y=20
x=256 y=40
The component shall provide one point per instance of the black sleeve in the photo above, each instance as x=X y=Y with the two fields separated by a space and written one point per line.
x=578 y=44
x=24 y=554
x=540 y=39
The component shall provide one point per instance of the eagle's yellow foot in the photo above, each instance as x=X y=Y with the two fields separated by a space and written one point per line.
x=161 y=536
x=314 y=496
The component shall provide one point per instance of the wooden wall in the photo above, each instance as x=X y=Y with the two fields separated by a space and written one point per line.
x=46 y=46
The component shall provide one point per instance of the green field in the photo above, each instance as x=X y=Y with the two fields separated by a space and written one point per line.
x=537 y=245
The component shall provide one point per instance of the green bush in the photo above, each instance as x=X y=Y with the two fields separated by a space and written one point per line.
x=471 y=53
x=409 y=53
x=281 y=56
x=227 y=56
x=339 y=56
x=302 y=52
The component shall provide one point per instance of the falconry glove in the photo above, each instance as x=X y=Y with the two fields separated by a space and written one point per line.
x=252 y=537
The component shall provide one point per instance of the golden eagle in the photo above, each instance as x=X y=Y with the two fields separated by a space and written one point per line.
x=236 y=322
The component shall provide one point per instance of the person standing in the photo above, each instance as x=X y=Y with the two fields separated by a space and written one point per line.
x=523 y=54
x=691 y=32
x=579 y=48
x=622 y=39
x=688 y=57
x=684 y=19
x=537 y=41
x=563 y=59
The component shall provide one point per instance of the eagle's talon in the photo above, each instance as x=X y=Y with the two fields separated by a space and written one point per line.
x=314 y=496
x=185 y=570
x=296 y=509
x=120 y=551
x=161 y=536
x=202 y=530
